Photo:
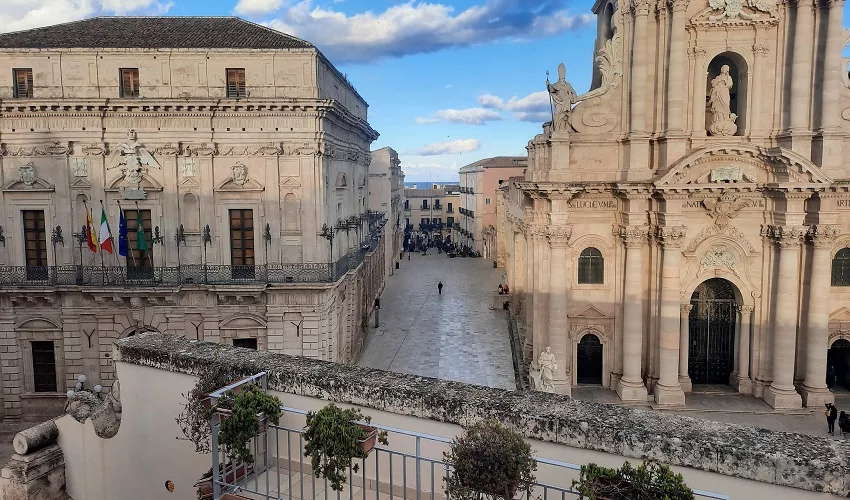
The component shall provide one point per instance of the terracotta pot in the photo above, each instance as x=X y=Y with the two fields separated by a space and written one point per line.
x=368 y=443
x=205 y=487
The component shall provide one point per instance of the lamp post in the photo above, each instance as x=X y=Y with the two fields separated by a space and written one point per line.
x=56 y=237
x=156 y=239
x=207 y=237
x=179 y=237
x=328 y=234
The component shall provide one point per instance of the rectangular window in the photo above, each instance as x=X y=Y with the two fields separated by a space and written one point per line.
x=140 y=249
x=43 y=366
x=242 y=243
x=129 y=82
x=424 y=204
x=246 y=343
x=23 y=83
x=35 y=244
x=486 y=201
x=236 y=83
x=449 y=207
x=438 y=220
x=423 y=221
x=450 y=221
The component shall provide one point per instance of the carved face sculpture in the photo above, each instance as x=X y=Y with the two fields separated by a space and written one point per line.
x=724 y=70
x=239 y=174
x=27 y=173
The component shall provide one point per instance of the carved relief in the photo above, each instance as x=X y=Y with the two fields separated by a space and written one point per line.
x=79 y=167
x=725 y=208
x=53 y=149
x=202 y=149
x=239 y=174
x=168 y=150
x=94 y=149
x=671 y=237
x=26 y=174
x=718 y=256
x=187 y=167
x=823 y=235
x=714 y=230
x=726 y=174
x=558 y=236
x=634 y=236
x=786 y=236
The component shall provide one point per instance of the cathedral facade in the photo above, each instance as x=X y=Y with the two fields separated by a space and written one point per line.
x=236 y=160
x=687 y=220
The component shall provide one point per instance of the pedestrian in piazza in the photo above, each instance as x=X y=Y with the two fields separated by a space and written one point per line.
x=440 y=288
x=831 y=417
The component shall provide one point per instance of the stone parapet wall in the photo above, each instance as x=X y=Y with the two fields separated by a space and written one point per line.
x=786 y=459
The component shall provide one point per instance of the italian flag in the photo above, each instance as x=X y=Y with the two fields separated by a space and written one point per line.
x=105 y=236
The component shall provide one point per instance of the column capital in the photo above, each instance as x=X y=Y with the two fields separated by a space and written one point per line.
x=746 y=309
x=678 y=5
x=640 y=7
x=833 y=3
x=823 y=236
x=787 y=236
x=634 y=236
x=671 y=236
x=559 y=236
x=685 y=309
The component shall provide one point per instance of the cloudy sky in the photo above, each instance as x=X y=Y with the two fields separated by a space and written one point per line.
x=448 y=82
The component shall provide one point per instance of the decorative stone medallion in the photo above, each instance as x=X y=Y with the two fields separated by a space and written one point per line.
x=718 y=256
x=27 y=174
x=239 y=174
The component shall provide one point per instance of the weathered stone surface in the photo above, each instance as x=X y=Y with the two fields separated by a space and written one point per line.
x=35 y=438
x=39 y=475
x=787 y=459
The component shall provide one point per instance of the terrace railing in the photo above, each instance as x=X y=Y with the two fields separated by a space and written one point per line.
x=411 y=467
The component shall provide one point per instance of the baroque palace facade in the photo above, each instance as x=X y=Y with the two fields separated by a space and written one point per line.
x=243 y=154
x=687 y=220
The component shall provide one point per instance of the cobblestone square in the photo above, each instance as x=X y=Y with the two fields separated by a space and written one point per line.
x=453 y=336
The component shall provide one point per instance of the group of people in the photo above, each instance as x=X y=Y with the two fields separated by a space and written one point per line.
x=832 y=414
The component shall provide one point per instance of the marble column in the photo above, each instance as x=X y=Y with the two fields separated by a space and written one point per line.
x=814 y=390
x=743 y=382
x=668 y=391
x=684 y=346
x=557 y=335
x=631 y=387
x=781 y=393
x=700 y=75
x=801 y=75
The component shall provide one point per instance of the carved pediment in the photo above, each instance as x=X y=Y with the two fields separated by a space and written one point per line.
x=27 y=181
x=242 y=322
x=590 y=313
x=290 y=182
x=38 y=324
x=741 y=164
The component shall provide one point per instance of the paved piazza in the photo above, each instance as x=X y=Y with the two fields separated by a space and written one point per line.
x=455 y=336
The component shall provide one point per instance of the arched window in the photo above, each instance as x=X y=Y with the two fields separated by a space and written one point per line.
x=591 y=266
x=841 y=268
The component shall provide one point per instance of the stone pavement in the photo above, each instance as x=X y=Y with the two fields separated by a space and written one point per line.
x=722 y=404
x=453 y=336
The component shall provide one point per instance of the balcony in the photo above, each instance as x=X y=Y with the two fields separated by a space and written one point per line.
x=96 y=276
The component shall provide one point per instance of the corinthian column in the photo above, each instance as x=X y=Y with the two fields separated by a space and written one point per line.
x=801 y=75
x=781 y=393
x=557 y=338
x=684 y=346
x=815 y=392
x=631 y=386
x=668 y=391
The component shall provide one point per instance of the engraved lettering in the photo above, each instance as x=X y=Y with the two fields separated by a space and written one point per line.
x=843 y=203
x=594 y=204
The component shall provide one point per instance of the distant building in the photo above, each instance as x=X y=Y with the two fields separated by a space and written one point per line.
x=479 y=183
x=434 y=210
x=240 y=153
x=386 y=196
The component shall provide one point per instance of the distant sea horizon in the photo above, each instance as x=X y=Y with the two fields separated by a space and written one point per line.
x=427 y=184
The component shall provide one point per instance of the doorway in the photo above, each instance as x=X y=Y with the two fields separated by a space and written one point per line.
x=712 y=332
x=838 y=363
x=589 y=360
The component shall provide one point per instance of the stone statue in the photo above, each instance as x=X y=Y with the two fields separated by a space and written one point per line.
x=722 y=118
x=132 y=157
x=564 y=97
x=543 y=375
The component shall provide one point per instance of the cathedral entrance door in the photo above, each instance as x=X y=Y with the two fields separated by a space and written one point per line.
x=589 y=360
x=838 y=364
x=712 y=332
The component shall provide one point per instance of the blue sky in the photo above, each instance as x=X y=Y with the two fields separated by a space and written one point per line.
x=448 y=82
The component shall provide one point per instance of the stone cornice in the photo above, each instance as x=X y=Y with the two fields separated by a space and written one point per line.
x=812 y=463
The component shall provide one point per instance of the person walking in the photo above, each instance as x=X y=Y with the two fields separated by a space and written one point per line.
x=831 y=417
x=440 y=288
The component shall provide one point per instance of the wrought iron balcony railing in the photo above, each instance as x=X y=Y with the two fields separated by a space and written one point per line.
x=182 y=275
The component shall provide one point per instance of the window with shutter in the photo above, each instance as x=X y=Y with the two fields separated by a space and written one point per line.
x=130 y=82
x=236 y=82
x=139 y=260
x=44 y=366
x=23 y=83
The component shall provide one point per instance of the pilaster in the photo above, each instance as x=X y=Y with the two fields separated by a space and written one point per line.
x=684 y=345
x=700 y=75
x=558 y=238
x=675 y=143
x=830 y=154
x=668 y=390
x=631 y=387
x=741 y=379
x=799 y=135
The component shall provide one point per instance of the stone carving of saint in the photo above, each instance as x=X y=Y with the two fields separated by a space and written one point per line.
x=722 y=118
x=564 y=97
x=543 y=375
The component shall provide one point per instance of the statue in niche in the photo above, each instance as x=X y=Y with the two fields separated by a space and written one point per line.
x=564 y=97
x=722 y=118
x=543 y=375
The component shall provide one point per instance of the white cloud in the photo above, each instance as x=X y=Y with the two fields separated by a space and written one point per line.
x=423 y=120
x=257 y=7
x=450 y=147
x=416 y=27
x=423 y=172
x=448 y=85
x=471 y=116
x=17 y=15
x=534 y=107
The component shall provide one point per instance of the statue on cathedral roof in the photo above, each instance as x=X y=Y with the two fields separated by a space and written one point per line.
x=722 y=118
x=564 y=96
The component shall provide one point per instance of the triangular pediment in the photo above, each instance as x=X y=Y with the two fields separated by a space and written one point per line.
x=591 y=313
x=741 y=164
x=189 y=182
x=250 y=185
x=81 y=183
x=290 y=182
x=840 y=316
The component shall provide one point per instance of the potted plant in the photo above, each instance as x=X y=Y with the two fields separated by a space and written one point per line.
x=245 y=416
x=489 y=459
x=650 y=480
x=334 y=437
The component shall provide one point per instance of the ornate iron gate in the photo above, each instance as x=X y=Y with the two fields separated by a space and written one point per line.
x=589 y=360
x=712 y=332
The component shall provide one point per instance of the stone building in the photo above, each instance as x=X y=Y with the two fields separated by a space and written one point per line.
x=386 y=196
x=478 y=184
x=436 y=207
x=241 y=152
x=687 y=220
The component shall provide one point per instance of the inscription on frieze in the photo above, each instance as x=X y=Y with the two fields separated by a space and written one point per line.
x=698 y=204
x=593 y=204
x=842 y=203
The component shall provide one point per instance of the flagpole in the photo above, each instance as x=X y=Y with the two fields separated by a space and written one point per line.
x=111 y=239
x=129 y=251
x=139 y=227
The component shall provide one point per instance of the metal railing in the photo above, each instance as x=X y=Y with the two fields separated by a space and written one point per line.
x=210 y=274
x=281 y=471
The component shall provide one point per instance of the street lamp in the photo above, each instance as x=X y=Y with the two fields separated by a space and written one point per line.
x=328 y=234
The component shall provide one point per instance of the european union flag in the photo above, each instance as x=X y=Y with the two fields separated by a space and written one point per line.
x=122 y=235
